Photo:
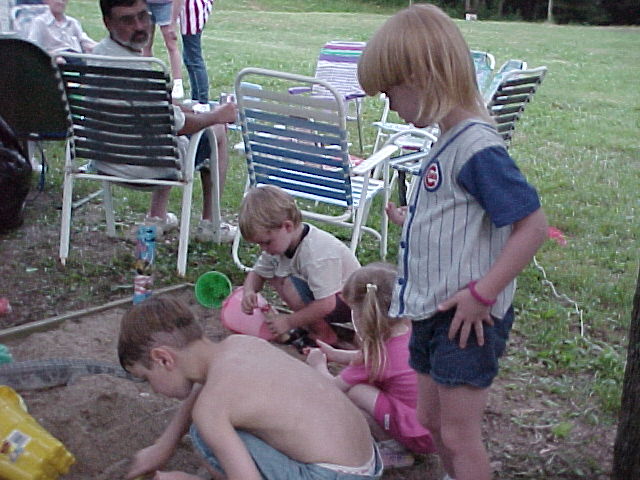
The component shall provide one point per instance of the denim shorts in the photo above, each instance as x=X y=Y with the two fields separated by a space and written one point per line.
x=274 y=465
x=340 y=314
x=160 y=13
x=433 y=354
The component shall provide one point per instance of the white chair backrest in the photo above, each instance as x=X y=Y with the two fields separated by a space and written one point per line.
x=22 y=16
x=297 y=142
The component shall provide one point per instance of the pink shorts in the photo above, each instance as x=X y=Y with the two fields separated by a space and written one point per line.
x=400 y=421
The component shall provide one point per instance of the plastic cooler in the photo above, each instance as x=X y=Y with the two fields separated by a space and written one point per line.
x=27 y=451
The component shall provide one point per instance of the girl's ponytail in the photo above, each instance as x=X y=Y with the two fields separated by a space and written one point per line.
x=376 y=331
x=369 y=291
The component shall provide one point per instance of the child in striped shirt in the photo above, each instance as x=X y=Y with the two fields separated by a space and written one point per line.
x=193 y=17
x=472 y=225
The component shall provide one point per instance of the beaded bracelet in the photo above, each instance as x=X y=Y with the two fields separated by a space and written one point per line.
x=474 y=293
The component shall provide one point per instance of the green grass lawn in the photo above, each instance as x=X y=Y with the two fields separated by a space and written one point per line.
x=577 y=142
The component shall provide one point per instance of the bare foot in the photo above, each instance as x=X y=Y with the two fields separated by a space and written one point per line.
x=318 y=360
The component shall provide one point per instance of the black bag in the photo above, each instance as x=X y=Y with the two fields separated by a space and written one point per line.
x=15 y=179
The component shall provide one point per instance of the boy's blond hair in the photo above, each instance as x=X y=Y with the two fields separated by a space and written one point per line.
x=266 y=208
x=422 y=46
x=158 y=321
x=370 y=290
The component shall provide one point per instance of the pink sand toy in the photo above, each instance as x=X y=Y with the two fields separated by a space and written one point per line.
x=235 y=319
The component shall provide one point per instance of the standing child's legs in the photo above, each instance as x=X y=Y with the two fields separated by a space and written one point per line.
x=428 y=412
x=196 y=67
x=461 y=430
x=161 y=16
x=453 y=387
x=171 y=42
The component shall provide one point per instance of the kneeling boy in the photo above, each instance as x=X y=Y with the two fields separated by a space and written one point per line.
x=256 y=412
x=305 y=265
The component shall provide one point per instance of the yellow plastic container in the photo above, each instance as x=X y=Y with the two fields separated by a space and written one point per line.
x=27 y=451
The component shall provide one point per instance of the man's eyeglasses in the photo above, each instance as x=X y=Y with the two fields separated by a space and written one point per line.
x=130 y=20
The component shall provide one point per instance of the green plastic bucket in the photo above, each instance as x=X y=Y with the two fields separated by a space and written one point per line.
x=212 y=288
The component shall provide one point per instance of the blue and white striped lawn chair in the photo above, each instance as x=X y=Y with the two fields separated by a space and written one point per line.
x=299 y=143
x=483 y=62
x=338 y=66
x=506 y=97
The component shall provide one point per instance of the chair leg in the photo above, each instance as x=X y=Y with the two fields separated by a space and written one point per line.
x=215 y=183
x=359 y=122
x=107 y=204
x=360 y=215
x=65 y=223
x=185 y=221
x=402 y=188
x=384 y=219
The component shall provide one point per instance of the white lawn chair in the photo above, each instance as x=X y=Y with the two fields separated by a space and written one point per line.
x=124 y=116
x=299 y=143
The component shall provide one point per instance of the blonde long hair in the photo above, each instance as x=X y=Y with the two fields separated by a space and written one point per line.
x=422 y=46
x=369 y=290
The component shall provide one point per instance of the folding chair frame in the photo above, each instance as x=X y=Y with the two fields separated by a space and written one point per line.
x=110 y=126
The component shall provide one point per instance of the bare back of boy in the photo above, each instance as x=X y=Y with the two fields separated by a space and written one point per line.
x=256 y=387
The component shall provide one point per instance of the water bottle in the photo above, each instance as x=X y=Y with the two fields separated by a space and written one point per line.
x=145 y=255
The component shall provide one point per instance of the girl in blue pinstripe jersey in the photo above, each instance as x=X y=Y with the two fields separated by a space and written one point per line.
x=471 y=226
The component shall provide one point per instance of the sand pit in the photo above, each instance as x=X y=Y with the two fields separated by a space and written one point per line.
x=103 y=419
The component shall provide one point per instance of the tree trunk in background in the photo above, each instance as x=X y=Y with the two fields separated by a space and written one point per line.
x=626 y=454
x=500 y=8
x=550 y=11
x=471 y=6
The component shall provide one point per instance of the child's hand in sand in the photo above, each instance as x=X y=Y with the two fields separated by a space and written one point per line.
x=147 y=460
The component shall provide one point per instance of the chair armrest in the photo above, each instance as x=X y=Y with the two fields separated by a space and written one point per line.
x=351 y=96
x=392 y=127
x=412 y=132
x=374 y=160
x=299 y=90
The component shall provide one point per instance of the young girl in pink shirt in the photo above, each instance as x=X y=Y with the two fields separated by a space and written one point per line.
x=377 y=377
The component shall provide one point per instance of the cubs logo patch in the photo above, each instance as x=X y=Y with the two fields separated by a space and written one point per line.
x=432 y=176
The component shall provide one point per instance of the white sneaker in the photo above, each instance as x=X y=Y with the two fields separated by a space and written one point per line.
x=178 y=90
x=201 y=108
x=166 y=225
x=206 y=233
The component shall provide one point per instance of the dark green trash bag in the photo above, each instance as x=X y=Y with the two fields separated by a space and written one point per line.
x=15 y=179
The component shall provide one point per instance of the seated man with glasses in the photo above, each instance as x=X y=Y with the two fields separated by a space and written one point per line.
x=129 y=26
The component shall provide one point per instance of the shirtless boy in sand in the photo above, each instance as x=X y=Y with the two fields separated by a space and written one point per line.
x=256 y=412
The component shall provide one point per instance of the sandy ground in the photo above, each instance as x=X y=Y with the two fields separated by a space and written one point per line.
x=102 y=419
